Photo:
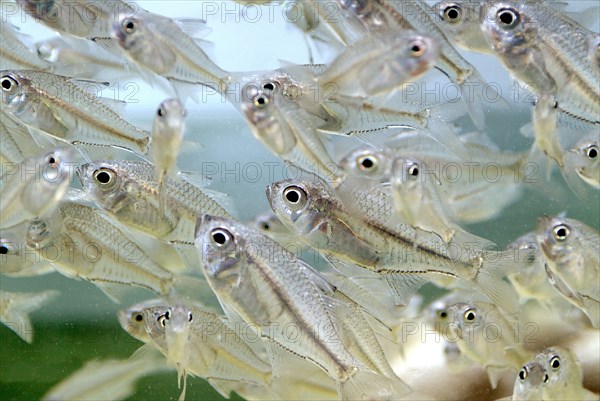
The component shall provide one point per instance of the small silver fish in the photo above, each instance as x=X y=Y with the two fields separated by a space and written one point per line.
x=528 y=385
x=159 y=44
x=571 y=253
x=60 y=107
x=129 y=192
x=461 y=22
x=167 y=135
x=269 y=288
x=36 y=186
x=584 y=159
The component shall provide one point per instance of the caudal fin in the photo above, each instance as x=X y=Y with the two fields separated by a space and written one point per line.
x=367 y=385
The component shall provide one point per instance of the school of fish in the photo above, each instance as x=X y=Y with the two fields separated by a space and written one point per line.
x=88 y=194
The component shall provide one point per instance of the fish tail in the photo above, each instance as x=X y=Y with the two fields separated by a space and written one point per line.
x=368 y=385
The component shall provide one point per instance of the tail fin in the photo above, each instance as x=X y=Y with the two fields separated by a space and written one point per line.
x=490 y=280
x=366 y=384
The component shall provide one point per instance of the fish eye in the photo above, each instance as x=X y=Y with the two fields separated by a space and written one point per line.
x=417 y=48
x=266 y=226
x=270 y=86
x=190 y=317
x=508 y=17
x=452 y=13
x=138 y=317
x=160 y=112
x=8 y=83
x=220 y=236
x=591 y=152
x=261 y=101
x=295 y=197
x=523 y=374
x=555 y=362
x=130 y=25
x=367 y=163
x=470 y=315
x=105 y=177
x=561 y=232
x=413 y=170
x=162 y=319
x=6 y=248
x=443 y=314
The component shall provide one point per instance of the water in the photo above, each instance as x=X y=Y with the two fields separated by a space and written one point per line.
x=81 y=325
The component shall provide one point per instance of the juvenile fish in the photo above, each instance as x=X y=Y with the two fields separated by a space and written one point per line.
x=36 y=187
x=571 y=252
x=584 y=159
x=128 y=191
x=63 y=109
x=269 y=288
x=167 y=134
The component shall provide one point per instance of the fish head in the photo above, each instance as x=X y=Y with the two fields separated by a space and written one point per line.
x=133 y=320
x=16 y=91
x=527 y=254
x=561 y=365
x=269 y=223
x=170 y=116
x=530 y=380
x=366 y=163
x=177 y=331
x=408 y=175
x=106 y=184
x=43 y=191
x=155 y=320
x=556 y=237
x=301 y=203
x=140 y=43
x=584 y=157
x=461 y=20
x=12 y=251
x=220 y=244
x=508 y=29
x=465 y=319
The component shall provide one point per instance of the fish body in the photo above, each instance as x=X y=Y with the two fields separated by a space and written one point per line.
x=80 y=243
x=275 y=290
x=36 y=187
x=14 y=53
x=64 y=110
x=407 y=260
x=149 y=40
x=128 y=191
x=572 y=261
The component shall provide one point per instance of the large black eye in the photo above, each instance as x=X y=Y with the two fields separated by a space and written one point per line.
x=5 y=249
x=470 y=315
x=452 y=14
x=220 y=236
x=561 y=232
x=139 y=317
x=417 y=48
x=367 y=163
x=443 y=314
x=508 y=18
x=413 y=171
x=295 y=197
x=555 y=362
x=160 y=112
x=261 y=101
x=105 y=177
x=591 y=152
x=270 y=86
x=129 y=25
x=8 y=84
x=523 y=373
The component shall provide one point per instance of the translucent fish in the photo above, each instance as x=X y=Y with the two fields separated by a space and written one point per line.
x=105 y=380
x=461 y=22
x=269 y=288
x=163 y=46
x=528 y=385
x=79 y=17
x=524 y=37
x=15 y=308
x=584 y=159
x=128 y=191
x=380 y=63
x=572 y=260
x=66 y=110
x=15 y=53
x=474 y=325
x=15 y=260
x=407 y=260
x=80 y=243
x=418 y=198
x=17 y=143
x=36 y=186
x=167 y=135
x=564 y=379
